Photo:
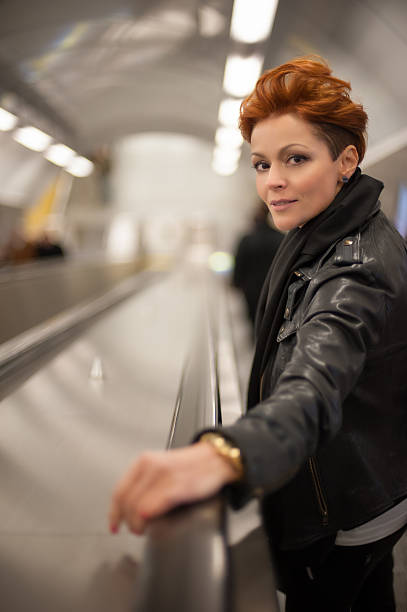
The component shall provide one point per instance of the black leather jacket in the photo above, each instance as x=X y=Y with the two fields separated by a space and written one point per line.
x=326 y=448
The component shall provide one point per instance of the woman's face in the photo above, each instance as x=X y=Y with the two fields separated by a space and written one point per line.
x=295 y=174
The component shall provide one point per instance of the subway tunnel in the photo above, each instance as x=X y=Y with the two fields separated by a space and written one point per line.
x=125 y=187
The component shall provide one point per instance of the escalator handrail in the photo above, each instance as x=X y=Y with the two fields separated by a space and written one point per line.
x=185 y=566
x=38 y=335
x=197 y=405
x=21 y=356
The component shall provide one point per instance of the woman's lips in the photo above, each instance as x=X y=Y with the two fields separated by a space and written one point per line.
x=281 y=204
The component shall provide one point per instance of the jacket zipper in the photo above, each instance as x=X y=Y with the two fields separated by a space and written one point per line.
x=323 y=507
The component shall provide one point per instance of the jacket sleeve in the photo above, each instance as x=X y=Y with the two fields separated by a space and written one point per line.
x=342 y=322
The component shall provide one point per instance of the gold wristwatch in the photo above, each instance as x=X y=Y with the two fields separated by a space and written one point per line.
x=225 y=449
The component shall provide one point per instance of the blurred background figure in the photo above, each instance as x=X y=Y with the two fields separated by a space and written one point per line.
x=254 y=254
x=17 y=249
x=103 y=165
x=48 y=245
x=20 y=248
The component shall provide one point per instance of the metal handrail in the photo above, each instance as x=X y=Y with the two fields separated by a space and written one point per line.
x=25 y=350
x=186 y=564
x=197 y=405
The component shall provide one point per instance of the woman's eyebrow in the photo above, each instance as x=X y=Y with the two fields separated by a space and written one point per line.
x=293 y=144
x=283 y=149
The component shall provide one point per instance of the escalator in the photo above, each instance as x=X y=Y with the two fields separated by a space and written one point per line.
x=32 y=293
x=97 y=391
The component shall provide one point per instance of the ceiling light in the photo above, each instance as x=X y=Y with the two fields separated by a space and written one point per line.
x=80 y=167
x=252 y=22
x=229 y=110
x=32 y=138
x=225 y=160
x=226 y=156
x=7 y=120
x=224 y=168
x=228 y=137
x=59 y=154
x=241 y=74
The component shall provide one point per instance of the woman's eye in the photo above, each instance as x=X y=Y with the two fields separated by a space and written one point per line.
x=296 y=159
x=261 y=166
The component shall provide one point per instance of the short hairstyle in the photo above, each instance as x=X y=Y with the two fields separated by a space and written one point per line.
x=304 y=86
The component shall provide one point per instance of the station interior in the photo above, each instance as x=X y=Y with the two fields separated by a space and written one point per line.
x=125 y=187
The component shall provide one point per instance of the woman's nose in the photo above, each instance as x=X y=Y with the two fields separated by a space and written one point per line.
x=275 y=179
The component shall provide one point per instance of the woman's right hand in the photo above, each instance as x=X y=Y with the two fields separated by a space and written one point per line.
x=160 y=481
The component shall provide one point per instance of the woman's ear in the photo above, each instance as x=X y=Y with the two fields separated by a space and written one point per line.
x=348 y=162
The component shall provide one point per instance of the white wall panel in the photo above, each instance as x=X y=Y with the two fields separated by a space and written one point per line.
x=169 y=177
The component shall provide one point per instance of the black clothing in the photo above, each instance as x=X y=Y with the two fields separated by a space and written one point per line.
x=47 y=249
x=327 y=442
x=254 y=255
x=329 y=578
x=301 y=246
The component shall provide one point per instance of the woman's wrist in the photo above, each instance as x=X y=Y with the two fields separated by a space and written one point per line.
x=227 y=451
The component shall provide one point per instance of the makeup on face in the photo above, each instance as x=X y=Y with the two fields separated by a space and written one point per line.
x=295 y=173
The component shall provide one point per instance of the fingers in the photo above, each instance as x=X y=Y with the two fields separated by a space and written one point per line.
x=126 y=496
x=150 y=488
x=160 y=481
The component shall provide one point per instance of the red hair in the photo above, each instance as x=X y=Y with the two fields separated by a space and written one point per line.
x=305 y=87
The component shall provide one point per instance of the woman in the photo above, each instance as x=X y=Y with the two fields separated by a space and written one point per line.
x=324 y=442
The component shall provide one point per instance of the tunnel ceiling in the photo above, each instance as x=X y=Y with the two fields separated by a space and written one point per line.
x=109 y=67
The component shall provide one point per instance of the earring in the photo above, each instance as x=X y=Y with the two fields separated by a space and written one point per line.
x=345 y=179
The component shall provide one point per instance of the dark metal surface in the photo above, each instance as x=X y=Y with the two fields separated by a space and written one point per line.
x=185 y=565
x=32 y=293
x=197 y=403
